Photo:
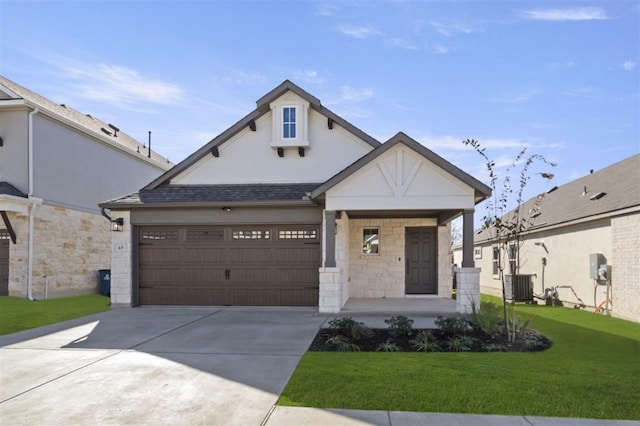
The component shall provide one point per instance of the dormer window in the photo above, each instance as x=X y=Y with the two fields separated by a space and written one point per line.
x=290 y=125
x=289 y=122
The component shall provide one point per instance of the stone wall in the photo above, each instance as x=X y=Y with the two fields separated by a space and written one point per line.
x=383 y=274
x=69 y=248
x=121 y=264
x=625 y=272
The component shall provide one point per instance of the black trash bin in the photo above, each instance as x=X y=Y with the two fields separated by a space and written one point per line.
x=105 y=281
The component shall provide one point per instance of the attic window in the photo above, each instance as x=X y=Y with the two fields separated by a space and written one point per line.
x=288 y=122
x=597 y=196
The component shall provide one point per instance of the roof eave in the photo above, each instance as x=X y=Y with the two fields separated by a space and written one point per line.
x=169 y=205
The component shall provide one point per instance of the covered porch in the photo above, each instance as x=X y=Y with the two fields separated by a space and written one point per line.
x=387 y=235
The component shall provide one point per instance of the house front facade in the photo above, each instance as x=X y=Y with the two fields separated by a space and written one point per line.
x=293 y=206
x=584 y=244
x=56 y=165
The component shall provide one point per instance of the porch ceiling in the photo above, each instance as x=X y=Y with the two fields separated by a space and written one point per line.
x=443 y=216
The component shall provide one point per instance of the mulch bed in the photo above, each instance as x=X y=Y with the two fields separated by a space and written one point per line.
x=482 y=343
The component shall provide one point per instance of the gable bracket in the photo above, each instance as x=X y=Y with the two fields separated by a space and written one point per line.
x=252 y=125
x=215 y=152
x=7 y=224
x=330 y=123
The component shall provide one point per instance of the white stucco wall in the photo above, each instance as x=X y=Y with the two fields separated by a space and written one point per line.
x=400 y=179
x=248 y=157
x=567 y=262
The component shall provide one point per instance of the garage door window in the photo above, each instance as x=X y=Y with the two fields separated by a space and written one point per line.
x=160 y=235
x=250 y=235
x=303 y=234
x=197 y=235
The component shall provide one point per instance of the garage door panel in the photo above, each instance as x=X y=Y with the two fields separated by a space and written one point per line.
x=250 y=255
x=199 y=255
x=250 y=265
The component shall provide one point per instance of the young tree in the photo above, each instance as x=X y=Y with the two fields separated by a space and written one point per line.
x=505 y=224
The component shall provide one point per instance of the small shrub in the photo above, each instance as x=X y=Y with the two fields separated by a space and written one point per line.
x=400 y=326
x=493 y=347
x=460 y=343
x=351 y=328
x=425 y=342
x=452 y=325
x=487 y=319
x=343 y=343
x=388 y=346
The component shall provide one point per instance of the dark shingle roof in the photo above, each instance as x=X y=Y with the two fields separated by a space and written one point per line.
x=230 y=193
x=7 y=189
x=620 y=183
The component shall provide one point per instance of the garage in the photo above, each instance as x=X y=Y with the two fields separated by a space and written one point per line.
x=261 y=265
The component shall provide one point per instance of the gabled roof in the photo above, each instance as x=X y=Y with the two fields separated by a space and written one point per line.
x=11 y=91
x=7 y=189
x=262 y=108
x=608 y=192
x=192 y=195
x=482 y=191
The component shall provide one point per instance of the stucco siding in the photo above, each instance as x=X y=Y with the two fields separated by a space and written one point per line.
x=248 y=157
x=383 y=274
x=400 y=179
x=73 y=170
x=14 y=165
x=625 y=262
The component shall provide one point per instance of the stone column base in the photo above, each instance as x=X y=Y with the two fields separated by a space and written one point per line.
x=330 y=298
x=468 y=291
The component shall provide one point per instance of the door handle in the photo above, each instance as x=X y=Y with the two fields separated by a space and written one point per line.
x=226 y=274
x=407 y=266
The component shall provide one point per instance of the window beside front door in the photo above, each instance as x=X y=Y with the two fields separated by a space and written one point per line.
x=370 y=241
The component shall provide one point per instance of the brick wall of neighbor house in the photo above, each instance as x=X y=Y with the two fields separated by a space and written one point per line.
x=626 y=266
x=70 y=247
x=383 y=274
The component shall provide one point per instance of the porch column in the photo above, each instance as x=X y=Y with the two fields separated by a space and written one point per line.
x=330 y=239
x=467 y=239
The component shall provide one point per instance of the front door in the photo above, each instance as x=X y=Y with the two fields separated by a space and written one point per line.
x=421 y=256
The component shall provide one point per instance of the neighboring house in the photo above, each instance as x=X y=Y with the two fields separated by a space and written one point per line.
x=56 y=164
x=294 y=206
x=592 y=221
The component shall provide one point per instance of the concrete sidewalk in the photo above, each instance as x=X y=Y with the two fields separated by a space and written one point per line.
x=300 y=416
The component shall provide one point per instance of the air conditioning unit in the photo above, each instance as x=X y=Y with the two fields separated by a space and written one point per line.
x=518 y=288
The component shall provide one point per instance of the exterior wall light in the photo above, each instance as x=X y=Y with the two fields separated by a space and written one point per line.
x=117 y=225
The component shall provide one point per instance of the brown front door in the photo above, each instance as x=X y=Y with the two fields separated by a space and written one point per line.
x=4 y=263
x=421 y=261
x=272 y=265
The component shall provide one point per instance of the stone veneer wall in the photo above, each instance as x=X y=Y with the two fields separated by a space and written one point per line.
x=70 y=246
x=383 y=274
x=625 y=273
x=121 y=264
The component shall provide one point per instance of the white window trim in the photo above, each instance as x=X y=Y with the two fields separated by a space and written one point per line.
x=295 y=123
x=302 y=123
x=362 y=252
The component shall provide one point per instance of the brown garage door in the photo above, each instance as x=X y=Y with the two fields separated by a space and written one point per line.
x=4 y=262
x=242 y=265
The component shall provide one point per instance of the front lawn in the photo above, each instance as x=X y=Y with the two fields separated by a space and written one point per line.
x=18 y=314
x=591 y=371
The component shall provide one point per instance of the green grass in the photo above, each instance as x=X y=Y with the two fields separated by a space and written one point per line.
x=21 y=314
x=592 y=370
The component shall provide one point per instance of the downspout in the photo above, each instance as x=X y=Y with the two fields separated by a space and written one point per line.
x=31 y=209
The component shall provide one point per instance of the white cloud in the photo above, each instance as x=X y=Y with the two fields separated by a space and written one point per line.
x=349 y=94
x=581 y=91
x=439 y=49
x=516 y=98
x=308 y=76
x=453 y=143
x=120 y=85
x=403 y=43
x=359 y=32
x=575 y=14
x=454 y=26
x=629 y=65
x=327 y=9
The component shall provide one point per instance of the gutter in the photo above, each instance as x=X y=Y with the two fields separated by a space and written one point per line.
x=32 y=208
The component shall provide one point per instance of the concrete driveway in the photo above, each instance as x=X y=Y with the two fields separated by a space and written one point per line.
x=154 y=366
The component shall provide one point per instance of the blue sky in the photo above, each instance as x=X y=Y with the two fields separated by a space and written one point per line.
x=558 y=77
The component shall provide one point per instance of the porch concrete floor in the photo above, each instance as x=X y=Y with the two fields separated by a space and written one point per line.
x=417 y=306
